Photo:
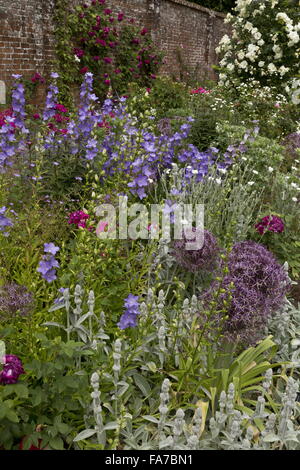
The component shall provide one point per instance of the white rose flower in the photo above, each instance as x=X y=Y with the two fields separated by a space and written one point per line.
x=272 y=68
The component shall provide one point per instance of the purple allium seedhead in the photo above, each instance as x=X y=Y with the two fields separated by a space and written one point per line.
x=12 y=369
x=259 y=285
x=132 y=309
x=292 y=144
x=270 y=223
x=13 y=299
x=196 y=260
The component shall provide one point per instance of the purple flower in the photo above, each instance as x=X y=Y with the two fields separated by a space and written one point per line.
x=292 y=145
x=4 y=221
x=132 y=309
x=196 y=260
x=14 y=299
x=48 y=262
x=257 y=285
x=51 y=248
x=12 y=369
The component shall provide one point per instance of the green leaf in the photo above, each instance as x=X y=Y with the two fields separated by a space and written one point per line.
x=271 y=438
x=142 y=383
x=12 y=416
x=84 y=434
x=111 y=425
x=56 y=443
x=151 y=418
x=2 y=350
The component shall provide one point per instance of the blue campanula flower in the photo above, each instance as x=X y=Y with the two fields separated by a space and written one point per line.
x=132 y=310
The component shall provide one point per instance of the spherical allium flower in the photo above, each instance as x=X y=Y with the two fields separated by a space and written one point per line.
x=196 y=260
x=292 y=145
x=270 y=223
x=12 y=369
x=13 y=299
x=255 y=288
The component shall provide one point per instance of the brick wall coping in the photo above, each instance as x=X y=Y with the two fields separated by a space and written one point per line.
x=198 y=7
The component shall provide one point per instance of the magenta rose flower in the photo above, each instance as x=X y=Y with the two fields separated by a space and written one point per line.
x=12 y=369
x=270 y=223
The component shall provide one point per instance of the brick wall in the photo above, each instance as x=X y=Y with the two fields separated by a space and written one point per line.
x=179 y=24
x=27 y=42
x=26 y=39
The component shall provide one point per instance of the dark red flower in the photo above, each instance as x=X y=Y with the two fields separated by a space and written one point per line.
x=270 y=223
x=84 y=70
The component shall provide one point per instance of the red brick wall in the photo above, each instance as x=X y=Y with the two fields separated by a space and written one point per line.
x=27 y=42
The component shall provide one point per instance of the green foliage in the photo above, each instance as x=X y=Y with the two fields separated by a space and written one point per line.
x=167 y=94
x=44 y=405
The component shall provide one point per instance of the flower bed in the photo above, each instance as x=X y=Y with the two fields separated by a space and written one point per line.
x=127 y=319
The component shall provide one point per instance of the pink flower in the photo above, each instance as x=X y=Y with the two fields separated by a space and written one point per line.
x=107 y=60
x=78 y=218
x=78 y=52
x=107 y=82
x=199 y=90
x=120 y=16
x=36 y=116
x=144 y=31
x=61 y=108
x=117 y=71
x=107 y=11
x=270 y=223
x=101 y=227
x=101 y=42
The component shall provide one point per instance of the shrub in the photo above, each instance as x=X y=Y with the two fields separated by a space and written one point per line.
x=115 y=50
x=252 y=52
